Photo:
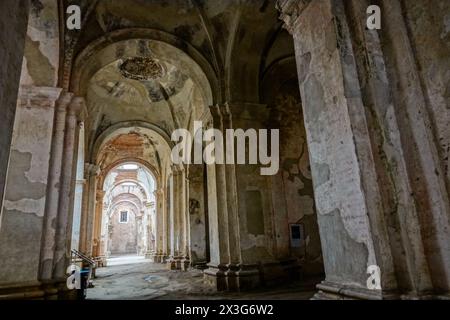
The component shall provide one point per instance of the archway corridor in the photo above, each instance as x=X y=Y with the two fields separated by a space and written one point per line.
x=208 y=149
x=137 y=235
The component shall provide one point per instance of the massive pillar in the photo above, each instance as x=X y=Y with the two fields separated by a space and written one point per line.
x=13 y=30
x=343 y=171
x=23 y=211
x=372 y=155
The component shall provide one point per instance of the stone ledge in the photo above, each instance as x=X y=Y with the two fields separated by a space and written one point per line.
x=37 y=291
x=333 y=291
x=246 y=277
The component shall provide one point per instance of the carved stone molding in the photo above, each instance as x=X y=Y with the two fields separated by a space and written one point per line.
x=38 y=97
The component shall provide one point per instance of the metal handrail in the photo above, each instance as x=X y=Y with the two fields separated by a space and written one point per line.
x=84 y=257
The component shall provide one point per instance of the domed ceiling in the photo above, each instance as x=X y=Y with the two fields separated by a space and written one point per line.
x=140 y=80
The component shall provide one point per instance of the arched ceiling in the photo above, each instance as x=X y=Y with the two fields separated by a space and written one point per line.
x=133 y=144
x=236 y=39
x=212 y=51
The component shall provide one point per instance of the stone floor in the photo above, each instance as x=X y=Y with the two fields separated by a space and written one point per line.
x=134 y=278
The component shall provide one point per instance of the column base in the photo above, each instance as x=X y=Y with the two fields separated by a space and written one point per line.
x=276 y=272
x=243 y=277
x=215 y=277
x=150 y=255
x=174 y=263
x=185 y=264
x=200 y=265
x=246 y=277
x=232 y=277
x=37 y=291
x=334 y=291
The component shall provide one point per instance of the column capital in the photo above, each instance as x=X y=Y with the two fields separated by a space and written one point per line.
x=100 y=194
x=215 y=116
x=177 y=169
x=206 y=118
x=91 y=169
x=158 y=192
x=64 y=100
x=290 y=11
x=38 y=97
x=77 y=107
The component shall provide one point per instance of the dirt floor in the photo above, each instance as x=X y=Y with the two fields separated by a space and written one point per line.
x=134 y=278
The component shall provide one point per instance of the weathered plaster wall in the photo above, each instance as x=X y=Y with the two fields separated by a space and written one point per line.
x=254 y=198
x=25 y=195
x=429 y=30
x=13 y=25
x=342 y=210
x=123 y=236
x=197 y=216
x=41 y=58
x=416 y=52
x=296 y=204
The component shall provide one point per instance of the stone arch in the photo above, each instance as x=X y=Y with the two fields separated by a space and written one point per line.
x=188 y=58
x=123 y=127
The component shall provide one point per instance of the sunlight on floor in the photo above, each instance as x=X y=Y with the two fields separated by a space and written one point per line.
x=125 y=260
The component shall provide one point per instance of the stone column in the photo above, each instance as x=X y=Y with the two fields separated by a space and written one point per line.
x=79 y=187
x=99 y=195
x=414 y=104
x=184 y=220
x=344 y=175
x=165 y=225
x=176 y=221
x=53 y=190
x=87 y=217
x=159 y=197
x=62 y=255
x=23 y=211
x=216 y=274
x=172 y=221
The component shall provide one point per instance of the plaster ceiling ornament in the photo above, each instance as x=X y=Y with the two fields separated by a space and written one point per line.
x=142 y=69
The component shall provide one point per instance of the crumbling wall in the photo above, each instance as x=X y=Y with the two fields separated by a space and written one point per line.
x=123 y=236
x=197 y=216
x=293 y=184
x=13 y=24
x=25 y=194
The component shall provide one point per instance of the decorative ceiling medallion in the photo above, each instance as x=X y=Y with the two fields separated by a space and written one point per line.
x=142 y=69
